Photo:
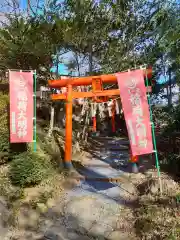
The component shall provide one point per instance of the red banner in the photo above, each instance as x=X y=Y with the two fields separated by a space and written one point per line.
x=21 y=106
x=136 y=111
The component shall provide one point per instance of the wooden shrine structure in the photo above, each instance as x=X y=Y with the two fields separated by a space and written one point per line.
x=98 y=94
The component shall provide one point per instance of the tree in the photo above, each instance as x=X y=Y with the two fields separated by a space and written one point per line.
x=83 y=33
x=115 y=35
x=166 y=25
x=27 y=44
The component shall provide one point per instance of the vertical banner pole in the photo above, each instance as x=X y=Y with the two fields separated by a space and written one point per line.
x=154 y=138
x=34 y=119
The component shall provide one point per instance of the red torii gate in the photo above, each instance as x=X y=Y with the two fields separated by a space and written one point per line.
x=97 y=91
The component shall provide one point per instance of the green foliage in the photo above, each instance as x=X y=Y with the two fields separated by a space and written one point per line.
x=108 y=35
x=178 y=198
x=168 y=121
x=11 y=194
x=29 y=169
x=162 y=116
x=4 y=143
x=4 y=132
x=42 y=199
x=4 y=101
x=4 y=157
x=174 y=121
x=28 y=44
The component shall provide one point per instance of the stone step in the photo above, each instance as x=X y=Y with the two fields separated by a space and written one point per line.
x=112 y=165
x=100 y=138
x=117 y=148
x=110 y=140
x=100 y=179
x=118 y=142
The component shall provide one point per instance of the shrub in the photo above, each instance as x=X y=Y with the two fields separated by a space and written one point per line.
x=4 y=132
x=29 y=169
x=4 y=148
x=4 y=142
x=4 y=101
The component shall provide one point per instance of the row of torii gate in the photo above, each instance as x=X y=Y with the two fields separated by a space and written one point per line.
x=98 y=94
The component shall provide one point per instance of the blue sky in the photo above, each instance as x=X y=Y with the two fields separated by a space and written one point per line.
x=23 y=3
x=62 y=69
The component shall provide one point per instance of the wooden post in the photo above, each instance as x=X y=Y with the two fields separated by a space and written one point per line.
x=68 y=137
x=113 y=117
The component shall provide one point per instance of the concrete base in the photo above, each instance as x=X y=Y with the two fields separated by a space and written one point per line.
x=68 y=165
x=135 y=168
x=95 y=134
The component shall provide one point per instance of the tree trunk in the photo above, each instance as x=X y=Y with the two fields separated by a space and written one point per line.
x=85 y=125
x=77 y=62
x=51 y=121
x=90 y=60
x=170 y=90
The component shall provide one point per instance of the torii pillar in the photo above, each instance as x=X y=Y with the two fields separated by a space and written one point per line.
x=68 y=132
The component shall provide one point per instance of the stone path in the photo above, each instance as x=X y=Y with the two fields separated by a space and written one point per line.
x=99 y=209
x=92 y=209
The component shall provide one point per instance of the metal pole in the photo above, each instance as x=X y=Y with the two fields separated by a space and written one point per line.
x=154 y=139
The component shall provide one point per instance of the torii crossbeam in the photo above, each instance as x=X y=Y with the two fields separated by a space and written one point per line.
x=97 y=91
